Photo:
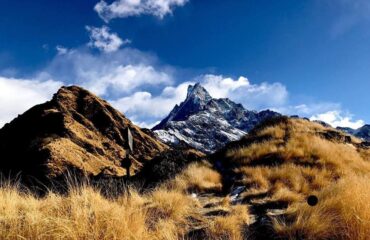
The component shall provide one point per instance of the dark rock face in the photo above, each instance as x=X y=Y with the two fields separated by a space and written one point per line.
x=75 y=130
x=207 y=124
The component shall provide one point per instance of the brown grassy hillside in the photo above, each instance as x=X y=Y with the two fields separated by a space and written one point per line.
x=77 y=130
x=276 y=167
x=295 y=156
x=284 y=161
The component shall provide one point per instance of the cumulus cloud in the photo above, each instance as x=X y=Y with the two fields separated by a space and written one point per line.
x=61 y=50
x=307 y=109
x=146 y=109
x=113 y=77
x=127 y=78
x=102 y=39
x=128 y=8
x=18 y=95
x=146 y=90
x=253 y=96
x=337 y=118
x=116 y=74
x=329 y=112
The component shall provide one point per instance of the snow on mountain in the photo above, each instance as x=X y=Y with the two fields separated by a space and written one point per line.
x=206 y=123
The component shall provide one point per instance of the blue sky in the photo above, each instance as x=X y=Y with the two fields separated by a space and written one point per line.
x=310 y=58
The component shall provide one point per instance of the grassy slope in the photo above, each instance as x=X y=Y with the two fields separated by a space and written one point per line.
x=281 y=162
x=285 y=161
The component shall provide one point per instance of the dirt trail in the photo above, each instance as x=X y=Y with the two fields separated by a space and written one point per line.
x=260 y=207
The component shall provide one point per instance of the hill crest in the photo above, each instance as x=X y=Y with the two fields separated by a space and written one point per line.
x=74 y=130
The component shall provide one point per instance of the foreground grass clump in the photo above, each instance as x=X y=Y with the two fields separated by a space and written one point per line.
x=343 y=213
x=85 y=214
x=197 y=177
x=231 y=226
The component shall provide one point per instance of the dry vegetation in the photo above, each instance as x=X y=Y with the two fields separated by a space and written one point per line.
x=289 y=160
x=297 y=157
x=282 y=162
x=168 y=212
x=85 y=214
x=343 y=212
x=197 y=177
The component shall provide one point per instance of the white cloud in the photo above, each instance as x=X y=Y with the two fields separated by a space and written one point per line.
x=307 y=110
x=18 y=95
x=119 y=73
x=102 y=39
x=337 y=118
x=114 y=76
x=61 y=50
x=145 y=109
x=126 y=78
x=128 y=8
x=144 y=89
x=252 y=96
x=331 y=113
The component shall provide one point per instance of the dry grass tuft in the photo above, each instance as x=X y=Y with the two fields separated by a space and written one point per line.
x=85 y=214
x=199 y=177
x=230 y=226
x=343 y=213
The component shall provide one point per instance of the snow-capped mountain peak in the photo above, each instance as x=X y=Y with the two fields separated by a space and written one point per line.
x=198 y=93
x=206 y=123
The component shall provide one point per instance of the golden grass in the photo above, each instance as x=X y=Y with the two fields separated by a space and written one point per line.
x=295 y=156
x=199 y=177
x=289 y=160
x=343 y=213
x=230 y=226
x=85 y=214
x=294 y=160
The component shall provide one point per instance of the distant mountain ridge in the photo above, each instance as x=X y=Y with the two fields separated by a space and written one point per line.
x=206 y=123
x=362 y=132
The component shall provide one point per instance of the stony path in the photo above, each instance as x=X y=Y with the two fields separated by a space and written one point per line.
x=261 y=210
